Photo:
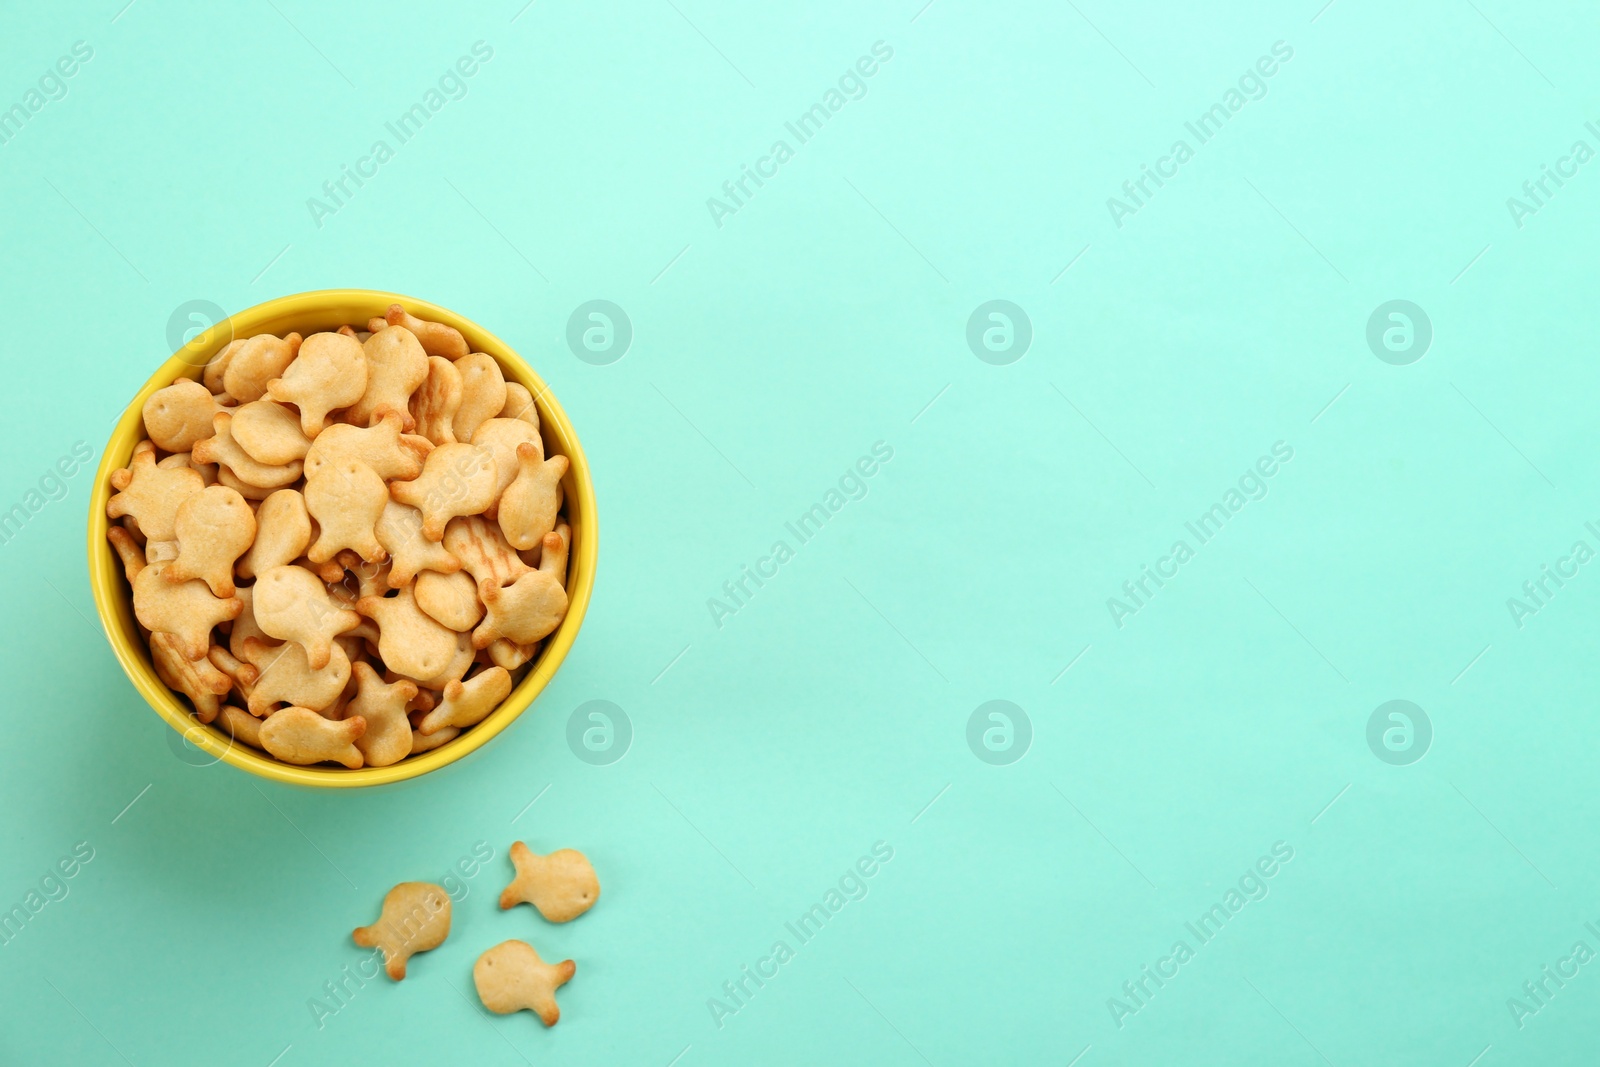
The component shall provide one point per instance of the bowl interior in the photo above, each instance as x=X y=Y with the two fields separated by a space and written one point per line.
x=309 y=313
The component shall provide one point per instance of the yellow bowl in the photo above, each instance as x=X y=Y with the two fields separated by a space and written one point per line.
x=308 y=313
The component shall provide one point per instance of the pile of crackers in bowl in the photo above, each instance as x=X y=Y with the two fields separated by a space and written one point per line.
x=344 y=548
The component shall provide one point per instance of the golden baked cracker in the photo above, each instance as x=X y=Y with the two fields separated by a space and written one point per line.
x=396 y=365
x=410 y=553
x=509 y=654
x=425 y=701
x=284 y=677
x=381 y=446
x=436 y=338
x=347 y=500
x=469 y=703
x=415 y=918
x=329 y=373
x=240 y=725
x=427 y=743
x=483 y=393
x=371 y=579
x=129 y=550
x=283 y=530
x=161 y=551
x=483 y=551
x=329 y=570
x=562 y=885
x=529 y=504
x=388 y=736
x=256 y=362
x=511 y=977
x=339 y=709
x=242 y=675
x=301 y=736
x=186 y=610
x=196 y=679
x=208 y=471
x=520 y=405
x=408 y=640
x=291 y=604
x=245 y=624
x=434 y=404
x=524 y=611
x=127 y=523
x=456 y=480
x=460 y=663
x=177 y=416
x=503 y=436
x=243 y=488
x=151 y=494
x=269 y=432
x=452 y=599
x=400 y=531
x=217 y=366
x=222 y=449
x=553 y=556
x=214 y=527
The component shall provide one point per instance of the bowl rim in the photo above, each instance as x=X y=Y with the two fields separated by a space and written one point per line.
x=108 y=584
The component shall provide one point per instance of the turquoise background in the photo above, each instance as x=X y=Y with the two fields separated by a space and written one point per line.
x=830 y=713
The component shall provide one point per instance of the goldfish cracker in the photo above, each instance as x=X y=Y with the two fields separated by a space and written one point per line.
x=436 y=401
x=301 y=736
x=329 y=372
x=469 y=703
x=283 y=531
x=483 y=393
x=512 y=977
x=254 y=363
x=415 y=918
x=151 y=494
x=387 y=738
x=436 y=338
x=396 y=366
x=214 y=528
x=562 y=885
x=456 y=480
x=186 y=610
x=347 y=500
x=180 y=414
x=291 y=604
x=269 y=432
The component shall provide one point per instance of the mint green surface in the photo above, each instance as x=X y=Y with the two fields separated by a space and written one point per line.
x=1171 y=748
